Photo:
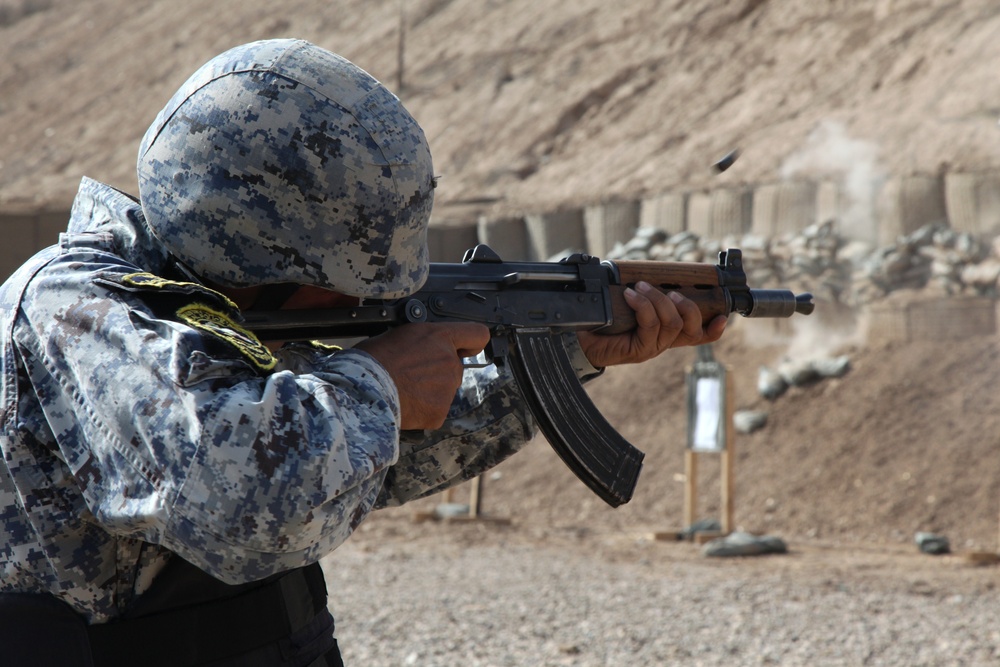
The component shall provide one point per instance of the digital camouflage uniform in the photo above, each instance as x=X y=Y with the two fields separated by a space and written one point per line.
x=139 y=420
x=131 y=430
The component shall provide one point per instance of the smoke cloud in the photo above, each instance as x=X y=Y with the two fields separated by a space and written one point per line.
x=829 y=152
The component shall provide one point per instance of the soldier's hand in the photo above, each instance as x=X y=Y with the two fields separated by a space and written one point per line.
x=662 y=321
x=425 y=362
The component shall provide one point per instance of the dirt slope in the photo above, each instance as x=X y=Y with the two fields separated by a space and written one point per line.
x=543 y=104
x=905 y=442
x=538 y=104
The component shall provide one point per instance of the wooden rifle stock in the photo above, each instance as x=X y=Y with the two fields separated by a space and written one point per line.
x=698 y=282
x=718 y=289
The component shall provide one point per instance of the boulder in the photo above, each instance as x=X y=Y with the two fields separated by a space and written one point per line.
x=744 y=544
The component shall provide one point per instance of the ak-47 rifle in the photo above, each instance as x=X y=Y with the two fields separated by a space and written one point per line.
x=526 y=305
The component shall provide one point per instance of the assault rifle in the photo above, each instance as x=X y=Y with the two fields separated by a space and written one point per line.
x=526 y=305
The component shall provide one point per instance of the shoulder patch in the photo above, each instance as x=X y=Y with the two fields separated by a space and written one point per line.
x=148 y=282
x=143 y=280
x=216 y=323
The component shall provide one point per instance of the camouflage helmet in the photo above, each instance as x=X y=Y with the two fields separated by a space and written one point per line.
x=280 y=162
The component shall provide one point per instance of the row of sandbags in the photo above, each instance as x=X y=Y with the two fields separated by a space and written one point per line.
x=838 y=270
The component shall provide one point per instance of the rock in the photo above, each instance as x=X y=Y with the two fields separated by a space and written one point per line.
x=932 y=544
x=984 y=274
x=798 y=373
x=651 y=235
x=640 y=246
x=748 y=421
x=683 y=238
x=451 y=510
x=702 y=526
x=854 y=252
x=770 y=384
x=832 y=368
x=752 y=243
x=744 y=544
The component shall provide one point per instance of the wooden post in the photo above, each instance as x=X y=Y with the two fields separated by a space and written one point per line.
x=690 y=487
x=475 y=497
x=726 y=471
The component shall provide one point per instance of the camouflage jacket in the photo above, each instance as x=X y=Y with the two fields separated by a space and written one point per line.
x=139 y=420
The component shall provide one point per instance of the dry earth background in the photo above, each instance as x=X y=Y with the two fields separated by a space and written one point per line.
x=533 y=105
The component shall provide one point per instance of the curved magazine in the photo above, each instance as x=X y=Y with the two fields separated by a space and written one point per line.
x=595 y=452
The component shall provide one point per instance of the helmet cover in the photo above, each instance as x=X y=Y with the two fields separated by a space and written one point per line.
x=281 y=162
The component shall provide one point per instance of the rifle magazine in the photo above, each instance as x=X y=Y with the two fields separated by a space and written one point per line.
x=596 y=453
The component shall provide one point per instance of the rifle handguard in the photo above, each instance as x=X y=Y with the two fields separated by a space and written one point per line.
x=716 y=289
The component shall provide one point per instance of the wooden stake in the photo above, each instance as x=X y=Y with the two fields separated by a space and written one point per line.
x=690 y=486
x=727 y=461
x=475 y=498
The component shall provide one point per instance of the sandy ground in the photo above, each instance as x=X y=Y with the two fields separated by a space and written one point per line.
x=490 y=594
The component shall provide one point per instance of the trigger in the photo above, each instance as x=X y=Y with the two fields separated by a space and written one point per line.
x=478 y=361
x=495 y=353
x=497 y=350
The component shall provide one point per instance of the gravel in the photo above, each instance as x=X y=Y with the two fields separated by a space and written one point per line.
x=482 y=596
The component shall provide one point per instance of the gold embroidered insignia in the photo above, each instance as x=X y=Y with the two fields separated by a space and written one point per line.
x=152 y=281
x=221 y=325
x=325 y=347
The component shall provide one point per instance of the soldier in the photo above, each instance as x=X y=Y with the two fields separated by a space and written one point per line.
x=169 y=482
